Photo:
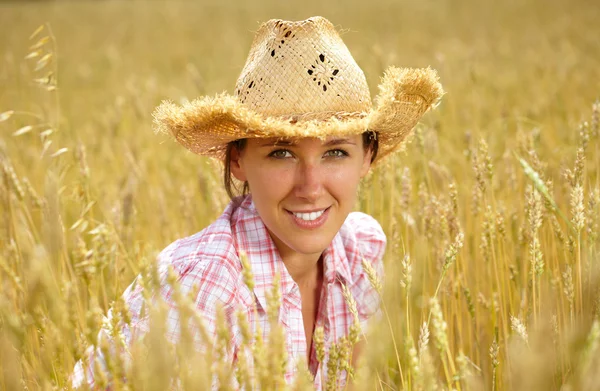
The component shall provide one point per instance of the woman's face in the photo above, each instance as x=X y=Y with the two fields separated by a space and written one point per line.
x=304 y=188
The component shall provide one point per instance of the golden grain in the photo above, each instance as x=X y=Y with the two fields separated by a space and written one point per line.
x=505 y=220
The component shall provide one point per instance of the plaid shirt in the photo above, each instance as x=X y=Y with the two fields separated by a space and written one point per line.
x=209 y=261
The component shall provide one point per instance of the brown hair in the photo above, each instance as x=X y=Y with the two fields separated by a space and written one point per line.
x=370 y=142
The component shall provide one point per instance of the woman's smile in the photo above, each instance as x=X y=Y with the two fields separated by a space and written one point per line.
x=309 y=219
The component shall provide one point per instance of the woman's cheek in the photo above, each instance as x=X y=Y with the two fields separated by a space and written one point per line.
x=346 y=179
x=272 y=178
x=344 y=187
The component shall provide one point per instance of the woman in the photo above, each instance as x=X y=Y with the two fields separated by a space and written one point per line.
x=299 y=134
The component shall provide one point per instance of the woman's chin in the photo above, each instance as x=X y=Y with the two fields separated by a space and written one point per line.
x=307 y=246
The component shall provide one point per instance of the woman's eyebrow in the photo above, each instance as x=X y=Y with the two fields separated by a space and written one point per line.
x=337 y=141
x=277 y=143
x=286 y=143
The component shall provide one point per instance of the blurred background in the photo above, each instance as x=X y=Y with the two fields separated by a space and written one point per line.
x=505 y=66
x=80 y=79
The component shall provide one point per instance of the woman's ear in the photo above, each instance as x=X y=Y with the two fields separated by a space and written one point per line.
x=235 y=164
x=366 y=164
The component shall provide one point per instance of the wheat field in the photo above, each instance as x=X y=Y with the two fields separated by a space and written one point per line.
x=491 y=209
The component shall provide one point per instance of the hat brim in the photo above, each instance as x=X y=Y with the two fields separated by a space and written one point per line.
x=206 y=125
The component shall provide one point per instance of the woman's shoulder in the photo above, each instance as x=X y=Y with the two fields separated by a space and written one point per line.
x=364 y=245
x=363 y=239
x=363 y=228
x=206 y=255
x=365 y=225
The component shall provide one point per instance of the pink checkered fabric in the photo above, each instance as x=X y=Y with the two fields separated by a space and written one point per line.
x=209 y=261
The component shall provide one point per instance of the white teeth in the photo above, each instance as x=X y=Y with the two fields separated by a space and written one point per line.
x=309 y=216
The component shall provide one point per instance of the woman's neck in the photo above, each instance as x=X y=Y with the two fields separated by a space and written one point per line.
x=303 y=268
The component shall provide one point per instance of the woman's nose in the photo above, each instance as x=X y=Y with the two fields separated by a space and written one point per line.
x=308 y=182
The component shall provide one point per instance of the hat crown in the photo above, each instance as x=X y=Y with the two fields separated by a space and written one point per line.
x=304 y=67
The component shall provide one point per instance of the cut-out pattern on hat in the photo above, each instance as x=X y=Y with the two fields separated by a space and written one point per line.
x=243 y=94
x=284 y=34
x=323 y=72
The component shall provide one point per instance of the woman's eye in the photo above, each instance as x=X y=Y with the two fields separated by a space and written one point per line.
x=280 y=154
x=336 y=153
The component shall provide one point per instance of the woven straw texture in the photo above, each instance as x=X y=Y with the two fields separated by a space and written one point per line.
x=300 y=80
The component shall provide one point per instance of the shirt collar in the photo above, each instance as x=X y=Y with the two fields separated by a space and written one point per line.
x=251 y=236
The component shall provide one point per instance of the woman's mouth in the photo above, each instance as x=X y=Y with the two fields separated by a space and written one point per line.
x=309 y=220
x=309 y=216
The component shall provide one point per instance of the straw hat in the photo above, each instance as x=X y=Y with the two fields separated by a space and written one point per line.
x=300 y=80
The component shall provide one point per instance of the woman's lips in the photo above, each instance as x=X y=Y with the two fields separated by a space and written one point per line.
x=313 y=224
